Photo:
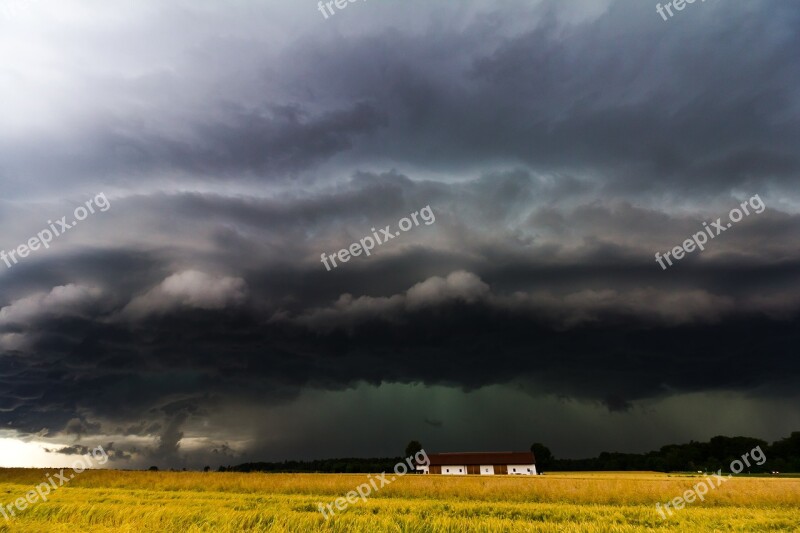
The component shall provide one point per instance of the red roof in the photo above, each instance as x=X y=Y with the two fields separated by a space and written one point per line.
x=482 y=458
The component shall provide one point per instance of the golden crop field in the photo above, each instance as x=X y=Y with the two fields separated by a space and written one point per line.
x=144 y=502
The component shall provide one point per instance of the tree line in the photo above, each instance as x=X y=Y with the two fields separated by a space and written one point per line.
x=351 y=465
x=717 y=454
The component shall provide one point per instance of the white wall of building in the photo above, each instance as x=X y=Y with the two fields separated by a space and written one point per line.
x=525 y=470
x=457 y=470
x=487 y=470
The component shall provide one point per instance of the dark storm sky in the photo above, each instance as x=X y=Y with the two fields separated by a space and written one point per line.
x=560 y=145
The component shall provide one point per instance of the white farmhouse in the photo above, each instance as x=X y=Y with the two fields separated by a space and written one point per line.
x=480 y=463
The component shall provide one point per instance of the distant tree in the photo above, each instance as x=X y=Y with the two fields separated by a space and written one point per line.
x=542 y=455
x=206 y=468
x=413 y=447
x=153 y=469
x=221 y=468
x=784 y=455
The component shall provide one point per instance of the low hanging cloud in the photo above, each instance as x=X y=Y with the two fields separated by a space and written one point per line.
x=188 y=290
x=63 y=301
x=646 y=306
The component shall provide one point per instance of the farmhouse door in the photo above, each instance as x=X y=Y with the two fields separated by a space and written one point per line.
x=474 y=470
x=501 y=470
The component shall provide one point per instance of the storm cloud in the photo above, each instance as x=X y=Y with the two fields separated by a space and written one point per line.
x=560 y=145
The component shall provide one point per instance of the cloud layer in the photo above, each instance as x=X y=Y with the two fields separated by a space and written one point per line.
x=559 y=146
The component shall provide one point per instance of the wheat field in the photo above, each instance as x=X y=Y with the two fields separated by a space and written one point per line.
x=106 y=501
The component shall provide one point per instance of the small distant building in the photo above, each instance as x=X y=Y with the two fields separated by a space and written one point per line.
x=481 y=463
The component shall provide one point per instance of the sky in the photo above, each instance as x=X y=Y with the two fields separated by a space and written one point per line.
x=190 y=162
